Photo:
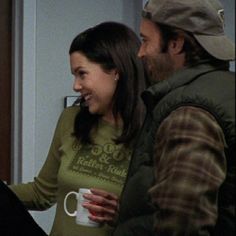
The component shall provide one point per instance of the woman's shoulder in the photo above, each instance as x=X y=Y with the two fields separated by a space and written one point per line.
x=70 y=112
x=67 y=117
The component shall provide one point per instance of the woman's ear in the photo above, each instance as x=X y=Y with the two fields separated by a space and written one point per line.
x=176 y=45
x=116 y=75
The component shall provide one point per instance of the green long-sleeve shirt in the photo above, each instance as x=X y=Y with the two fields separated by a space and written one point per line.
x=69 y=166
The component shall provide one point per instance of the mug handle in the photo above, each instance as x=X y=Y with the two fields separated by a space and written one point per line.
x=65 y=208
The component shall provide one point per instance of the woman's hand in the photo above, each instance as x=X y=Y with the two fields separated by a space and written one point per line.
x=102 y=205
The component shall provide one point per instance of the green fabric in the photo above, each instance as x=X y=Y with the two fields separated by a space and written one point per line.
x=69 y=166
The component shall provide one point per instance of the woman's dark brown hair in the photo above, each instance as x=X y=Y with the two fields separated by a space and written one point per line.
x=113 y=45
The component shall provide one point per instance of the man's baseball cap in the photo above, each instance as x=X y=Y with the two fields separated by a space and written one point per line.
x=203 y=18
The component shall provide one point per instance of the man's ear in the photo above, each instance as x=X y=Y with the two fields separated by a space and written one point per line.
x=176 y=45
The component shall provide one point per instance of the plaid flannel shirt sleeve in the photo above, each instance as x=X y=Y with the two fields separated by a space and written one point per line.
x=190 y=166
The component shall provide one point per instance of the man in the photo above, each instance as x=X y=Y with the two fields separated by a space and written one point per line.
x=188 y=137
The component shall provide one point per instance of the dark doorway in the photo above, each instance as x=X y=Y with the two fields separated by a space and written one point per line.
x=5 y=89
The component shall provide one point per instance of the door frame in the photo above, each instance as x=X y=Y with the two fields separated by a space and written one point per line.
x=23 y=90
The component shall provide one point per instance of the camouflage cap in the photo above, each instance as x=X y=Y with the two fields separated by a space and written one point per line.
x=203 y=18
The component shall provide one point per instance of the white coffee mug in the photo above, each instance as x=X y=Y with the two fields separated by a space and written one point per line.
x=81 y=213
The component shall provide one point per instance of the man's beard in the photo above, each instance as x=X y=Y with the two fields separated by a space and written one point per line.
x=159 y=66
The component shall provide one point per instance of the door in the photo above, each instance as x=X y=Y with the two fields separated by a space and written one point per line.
x=5 y=89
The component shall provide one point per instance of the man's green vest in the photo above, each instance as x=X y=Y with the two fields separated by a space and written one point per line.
x=206 y=86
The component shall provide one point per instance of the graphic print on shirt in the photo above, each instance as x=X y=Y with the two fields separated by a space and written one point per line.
x=108 y=162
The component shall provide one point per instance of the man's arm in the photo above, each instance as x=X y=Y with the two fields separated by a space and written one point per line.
x=190 y=166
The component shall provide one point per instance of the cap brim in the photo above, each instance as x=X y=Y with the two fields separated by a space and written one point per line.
x=220 y=47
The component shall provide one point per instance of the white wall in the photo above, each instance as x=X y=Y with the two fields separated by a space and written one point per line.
x=229 y=6
x=43 y=31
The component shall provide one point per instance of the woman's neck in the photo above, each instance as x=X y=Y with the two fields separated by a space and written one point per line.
x=113 y=120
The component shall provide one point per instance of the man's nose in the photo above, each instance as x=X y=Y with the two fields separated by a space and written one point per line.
x=140 y=52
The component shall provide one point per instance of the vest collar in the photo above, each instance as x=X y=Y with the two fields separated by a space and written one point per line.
x=181 y=77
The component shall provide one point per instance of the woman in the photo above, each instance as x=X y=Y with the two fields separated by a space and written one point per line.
x=93 y=141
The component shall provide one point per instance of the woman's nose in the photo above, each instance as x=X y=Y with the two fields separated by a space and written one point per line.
x=77 y=85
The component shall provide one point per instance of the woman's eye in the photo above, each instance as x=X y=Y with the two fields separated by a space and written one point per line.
x=81 y=74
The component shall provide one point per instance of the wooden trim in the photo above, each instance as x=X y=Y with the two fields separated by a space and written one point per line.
x=5 y=89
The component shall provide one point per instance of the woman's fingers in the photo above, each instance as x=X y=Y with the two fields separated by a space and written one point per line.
x=102 y=198
x=101 y=219
x=99 y=209
x=104 y=194
x=102 y=205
